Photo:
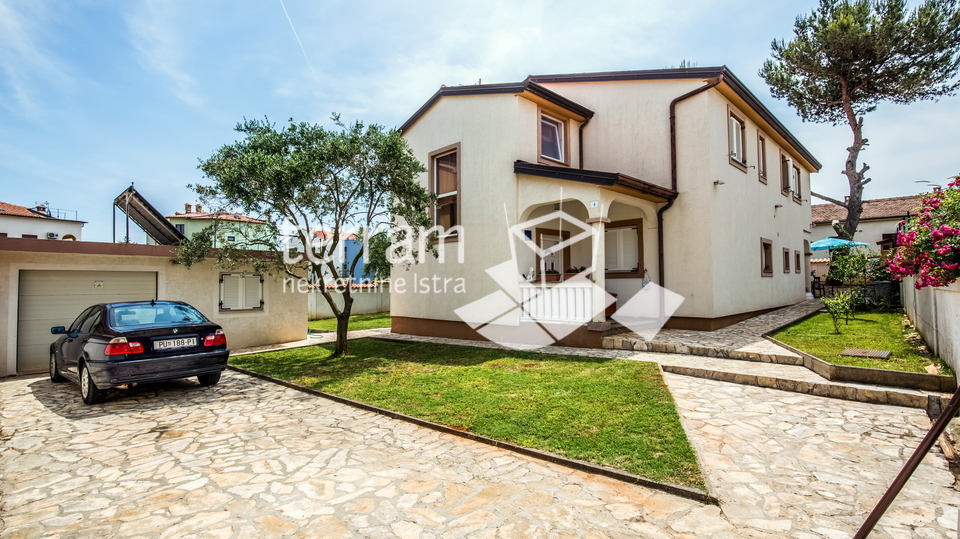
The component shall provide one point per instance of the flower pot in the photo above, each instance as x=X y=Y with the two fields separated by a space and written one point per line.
x=548 y=277
x=581 y=274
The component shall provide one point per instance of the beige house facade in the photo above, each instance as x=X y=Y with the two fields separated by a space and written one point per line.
x=45 y=284
x=682 y=176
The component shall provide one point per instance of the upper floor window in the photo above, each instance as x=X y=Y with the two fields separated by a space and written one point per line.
x=785 y=167
x=552 y=138
x=762 y=158
x=179 y=228
x=795 y=181
x=737 y=128
x=445 y=184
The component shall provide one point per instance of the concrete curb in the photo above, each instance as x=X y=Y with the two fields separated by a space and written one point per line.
x=833 y=391
x=677 y=490
x=864 y=375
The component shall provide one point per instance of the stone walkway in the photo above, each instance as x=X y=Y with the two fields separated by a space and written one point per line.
x=812 y=467
x=248 y=458
x=743 y=340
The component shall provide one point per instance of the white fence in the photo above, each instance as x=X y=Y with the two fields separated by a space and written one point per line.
x=936 y=313
x=567 y=302
x=365 y=301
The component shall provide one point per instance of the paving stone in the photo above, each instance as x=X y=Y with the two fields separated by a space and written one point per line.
x=248 y=458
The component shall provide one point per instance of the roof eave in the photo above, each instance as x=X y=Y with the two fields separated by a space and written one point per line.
x=515 y=88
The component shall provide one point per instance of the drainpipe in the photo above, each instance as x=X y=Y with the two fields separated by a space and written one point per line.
x=673 y=167
x=580 y=140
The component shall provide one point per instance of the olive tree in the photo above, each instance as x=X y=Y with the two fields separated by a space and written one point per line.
x=313 y=187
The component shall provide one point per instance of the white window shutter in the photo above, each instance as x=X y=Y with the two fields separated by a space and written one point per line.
x=252 y=292
x=611 y=250
x=230 y=292
x=629 y=245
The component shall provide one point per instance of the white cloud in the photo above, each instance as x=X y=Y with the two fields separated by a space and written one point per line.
x=28 y=67
x=502 y=41
x=156 y=33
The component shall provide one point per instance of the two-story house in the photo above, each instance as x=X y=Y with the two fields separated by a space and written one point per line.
x=250 y=232
x=679 y=176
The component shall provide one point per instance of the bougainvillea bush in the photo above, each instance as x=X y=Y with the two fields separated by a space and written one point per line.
x=929 y=245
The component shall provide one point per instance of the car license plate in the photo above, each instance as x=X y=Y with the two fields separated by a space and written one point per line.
x=169 y=344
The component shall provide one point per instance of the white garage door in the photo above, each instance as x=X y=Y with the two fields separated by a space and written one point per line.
x=55 y=298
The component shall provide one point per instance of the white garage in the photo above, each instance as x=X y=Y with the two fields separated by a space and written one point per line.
x=50 y=298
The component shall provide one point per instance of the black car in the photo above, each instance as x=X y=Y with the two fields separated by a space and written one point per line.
x=120 y=345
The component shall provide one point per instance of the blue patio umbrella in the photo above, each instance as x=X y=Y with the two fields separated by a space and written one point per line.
x=834 y=243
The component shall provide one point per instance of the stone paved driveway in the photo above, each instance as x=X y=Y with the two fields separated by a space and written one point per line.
x=248 y=458
x=251 y=459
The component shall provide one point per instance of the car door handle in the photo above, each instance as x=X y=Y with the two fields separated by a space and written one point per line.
x=85 y=341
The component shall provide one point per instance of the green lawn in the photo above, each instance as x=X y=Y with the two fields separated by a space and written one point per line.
x=359 y=321
x=613 y=412
x=872 y=331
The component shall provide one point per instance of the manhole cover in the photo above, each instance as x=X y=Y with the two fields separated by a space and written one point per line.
x=860 y=352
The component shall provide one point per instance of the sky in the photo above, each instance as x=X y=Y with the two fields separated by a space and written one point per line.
x=96 y=95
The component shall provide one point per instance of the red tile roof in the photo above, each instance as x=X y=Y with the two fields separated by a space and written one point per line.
x=212 y=215
x=878 y=208
x=21 y=211
x=325 y=235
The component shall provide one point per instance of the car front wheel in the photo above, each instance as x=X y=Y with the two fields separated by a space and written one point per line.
x=88 y=389
x=54 y=372
x=208 y=379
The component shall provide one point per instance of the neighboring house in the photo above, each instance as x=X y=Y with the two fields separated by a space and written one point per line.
x=37 y=223
x=239 y=229
x=878 y=225
x=347 y=248
x=689 y=179
x=48 y=284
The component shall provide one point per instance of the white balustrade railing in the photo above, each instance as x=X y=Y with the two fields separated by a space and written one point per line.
x=561 y=302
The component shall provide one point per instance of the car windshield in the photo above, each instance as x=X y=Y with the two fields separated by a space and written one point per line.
x=153 y=315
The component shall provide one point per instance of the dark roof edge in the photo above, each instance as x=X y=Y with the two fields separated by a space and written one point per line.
x=595 y=177
x=689 y=73
x=492 y=89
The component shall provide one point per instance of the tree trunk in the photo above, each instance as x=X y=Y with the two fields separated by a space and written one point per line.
x=854 y=176
x=343 y=323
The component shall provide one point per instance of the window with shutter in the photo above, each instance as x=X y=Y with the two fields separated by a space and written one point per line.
x=622 y=249
x=737 y=129
x=240 y=292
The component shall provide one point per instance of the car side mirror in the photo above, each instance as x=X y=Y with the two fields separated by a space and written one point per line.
x=58 y=330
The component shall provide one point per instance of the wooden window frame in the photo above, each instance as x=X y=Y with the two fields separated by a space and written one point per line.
x=796 y=193
x=741 y=119
x=784 y=174
x=797 y=261
x=766 y=257
x=564 y=235
x=565 y=123
x=628 y=274
x=761 y=158
x=786 y=260
x=432 y=187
